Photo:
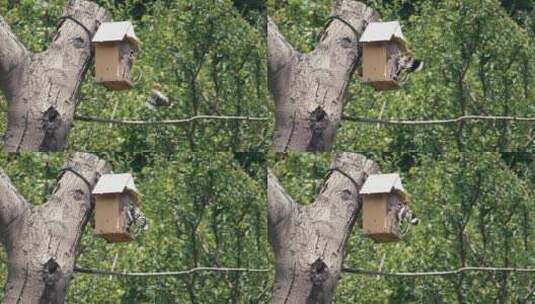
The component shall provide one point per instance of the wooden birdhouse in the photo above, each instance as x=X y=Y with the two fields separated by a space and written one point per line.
x=383 y=197
x=115 y=47
x=382 y=46
x=116 y=197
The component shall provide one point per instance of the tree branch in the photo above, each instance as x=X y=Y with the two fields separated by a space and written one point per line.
x=310 y=247
x=42 y=90
x=349 y=172
x=309 y=88
x=90 y=167
x=71 y=199
x=437 y=273
x=167 y=121
x=12 y=205
x=42 y=247
x=280 y=208
x=279 y=50
x=168 y=273
x=280 y=203
x=355 y=13
x=12 y=51
x=89 y=15
x=514 y=119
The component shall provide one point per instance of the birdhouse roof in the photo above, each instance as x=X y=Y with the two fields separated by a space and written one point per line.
x=116 y=184
x=116 y=31
x=383 y=183
x=382 y=31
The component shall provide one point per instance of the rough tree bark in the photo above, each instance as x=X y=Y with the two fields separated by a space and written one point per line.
x=41 y=241
x=309 y=88
x=309 y=241
x=42 y=89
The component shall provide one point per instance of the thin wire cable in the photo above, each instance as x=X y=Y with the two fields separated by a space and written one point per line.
x=337 y=17
x=330 y=170
x=69 y=17
x=438 y=121
x=78 y=174
x=366 y=120
x=166 y=122
x=345 y=270
x=437 y=273
x=331 y=18
x=166 y=273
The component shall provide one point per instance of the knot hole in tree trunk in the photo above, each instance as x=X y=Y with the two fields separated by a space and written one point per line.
x=51 y=122
x=50 y=271
x=54 y=280
x=78 y=194
x=78 y=42
x=318 y=122
x=319 y=274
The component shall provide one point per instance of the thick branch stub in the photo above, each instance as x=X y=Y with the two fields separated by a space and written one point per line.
x=309 y=89
x=12 y=206
x=280 y=207
x=43 y=89
x=310 y=246
x=12 y=51
x=280 y=52
x=280 y=202
x=42 y=247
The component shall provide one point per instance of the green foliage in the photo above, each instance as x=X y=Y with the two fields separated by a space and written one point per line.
x=474 y=210
x=478 y=61
x=207 y=57
x=210 y=208
x=203 y=210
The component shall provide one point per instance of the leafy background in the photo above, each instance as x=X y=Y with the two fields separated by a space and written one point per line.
x=209 y=57
x=475 y=209
x=204 y=209
x=478 y=58
x=209 y=208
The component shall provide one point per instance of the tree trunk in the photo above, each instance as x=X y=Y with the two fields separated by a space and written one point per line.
x=309 y=88
x=42 y=89
x=42 y=241
x=309 y=241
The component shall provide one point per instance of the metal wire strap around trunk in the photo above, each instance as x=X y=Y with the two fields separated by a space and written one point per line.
x=78 y=174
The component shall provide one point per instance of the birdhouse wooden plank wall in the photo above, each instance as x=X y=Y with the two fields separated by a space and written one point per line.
x=374 y=56
x=382 y=46
x=383 y=197
x=115 y=47
x=115 y=198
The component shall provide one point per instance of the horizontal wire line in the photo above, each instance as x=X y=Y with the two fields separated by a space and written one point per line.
x=438 y=273
x=358 y=119
x=166 y=273
x=165 y=122
x=346 y=270
x=438 y=121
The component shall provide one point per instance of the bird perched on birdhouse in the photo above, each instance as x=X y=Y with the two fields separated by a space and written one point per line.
x=136 y=221
x=403 y=65
x=157 y=99
x=384 y=207
x=118 y=217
